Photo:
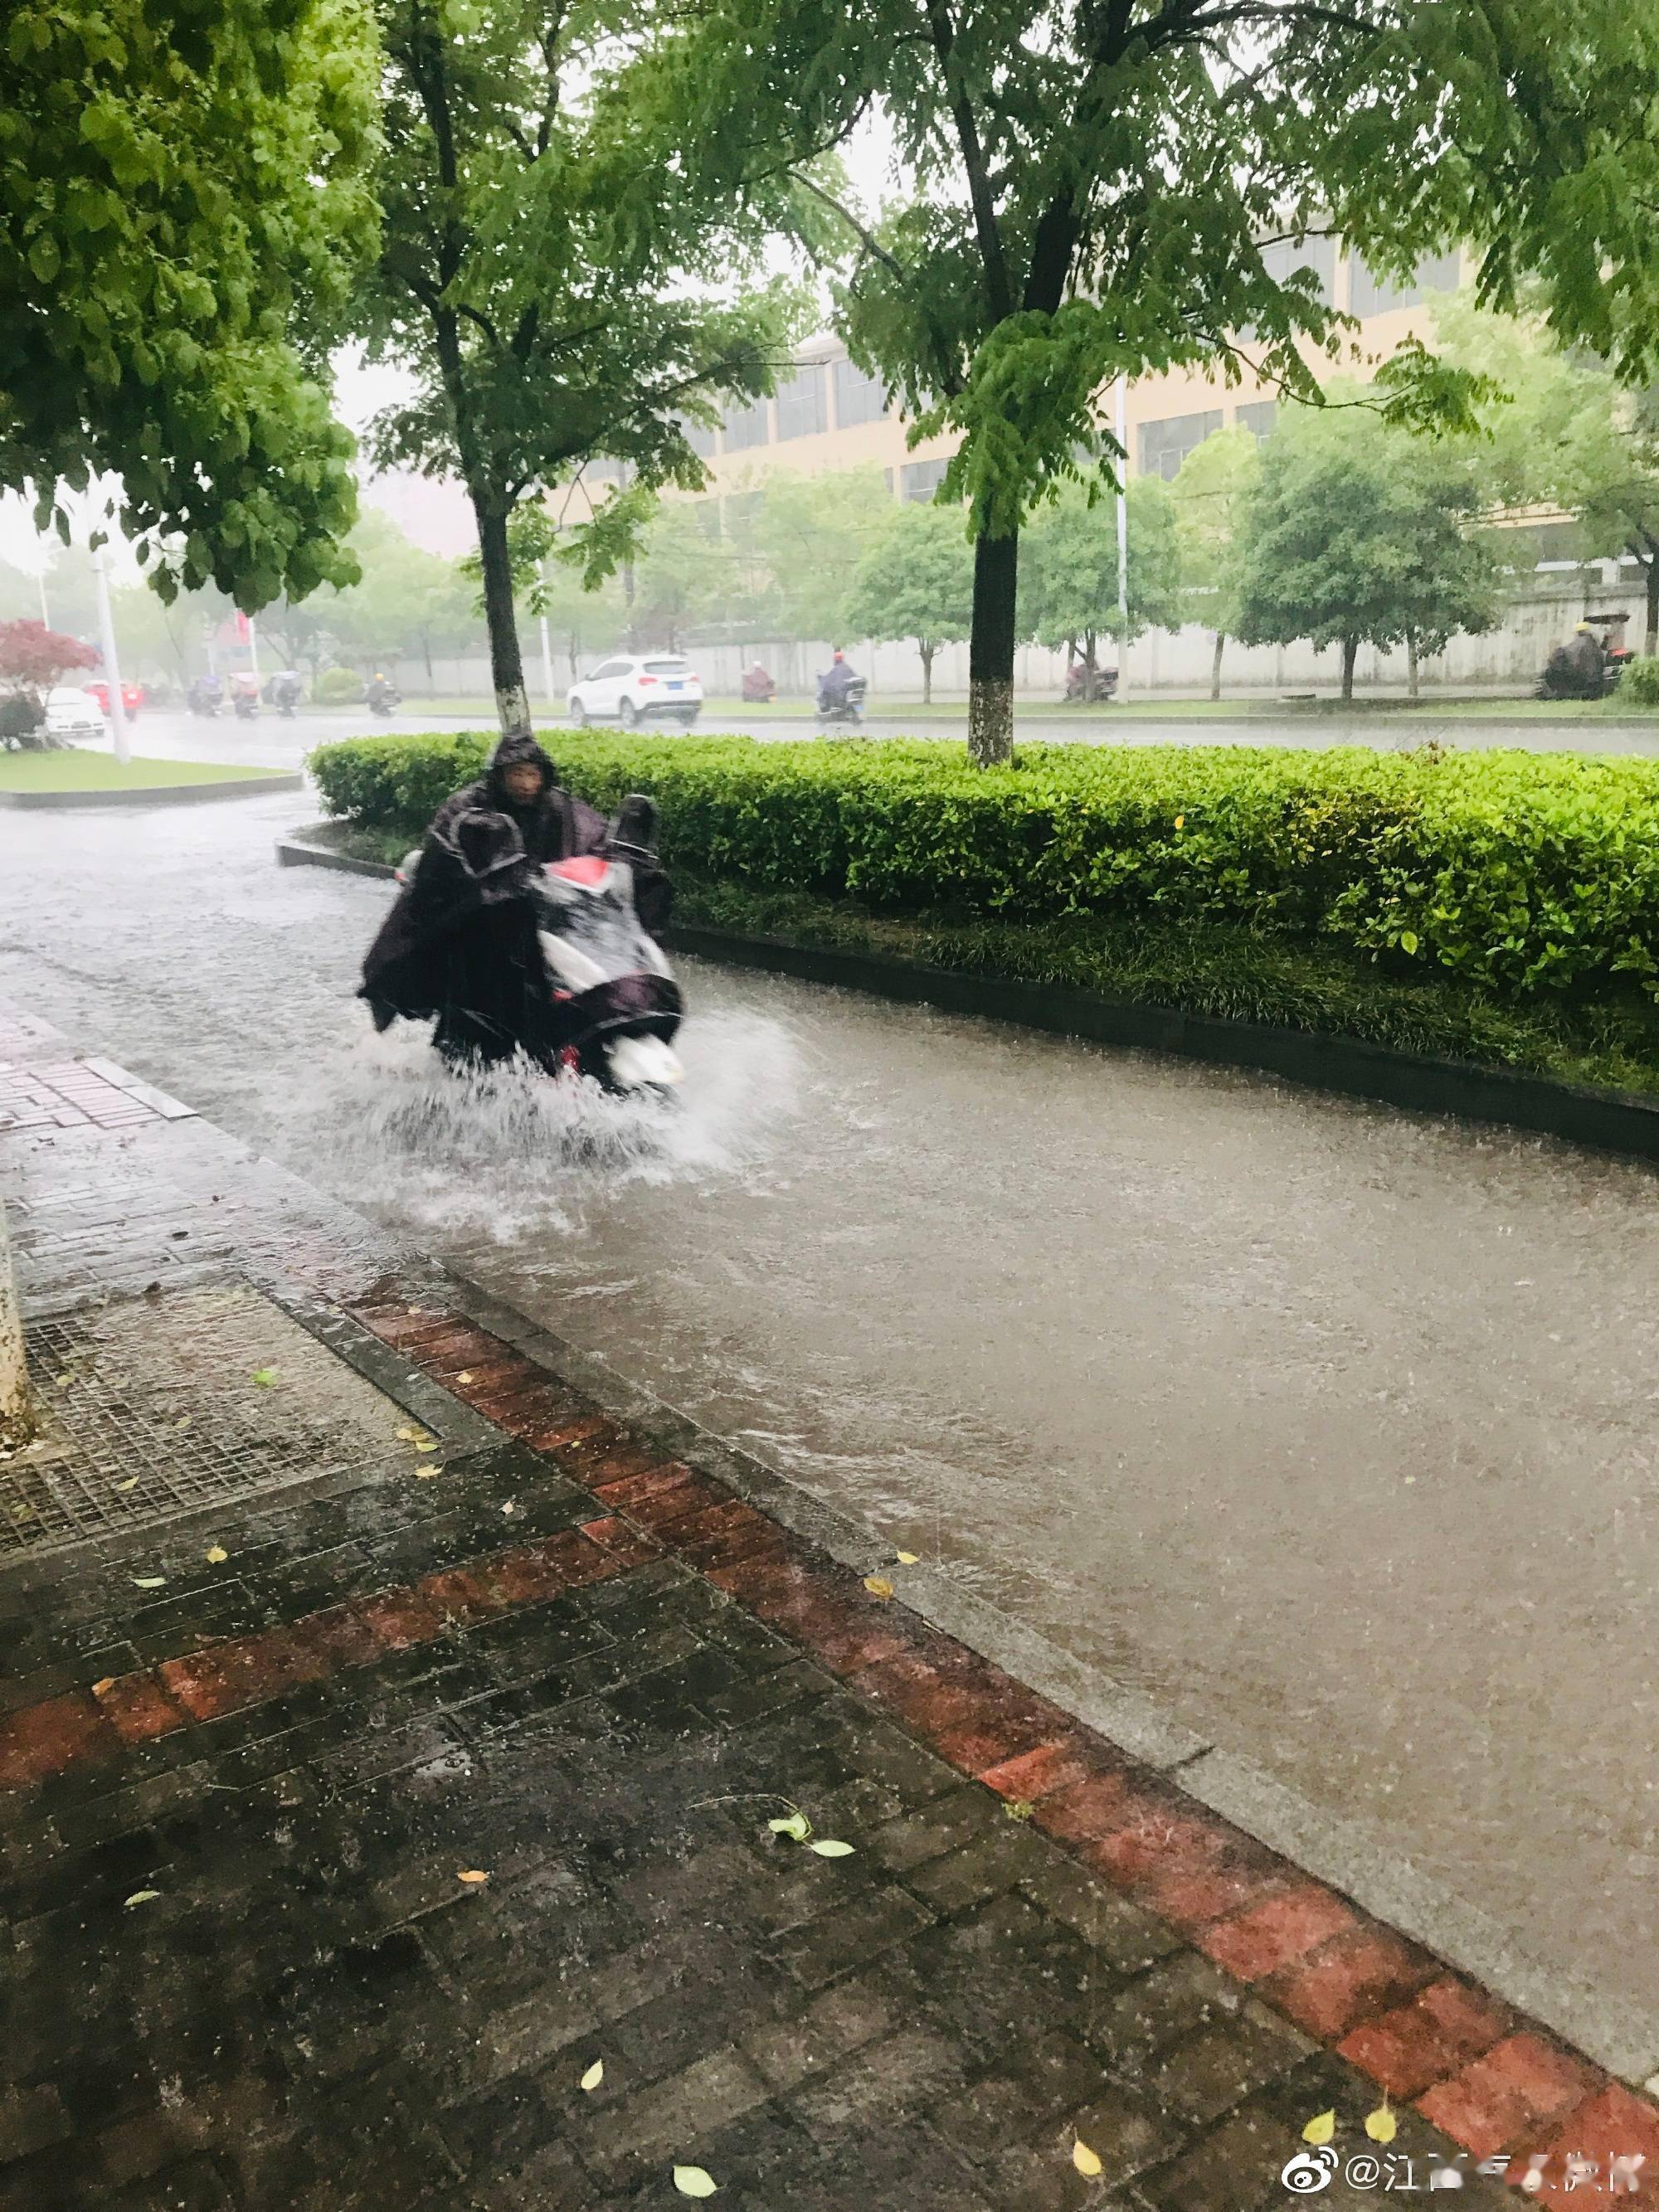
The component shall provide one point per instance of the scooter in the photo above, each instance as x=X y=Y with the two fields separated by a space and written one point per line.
x=383 y=699
x=615 y=1005
x=246 y=704
x=847 y=713
x=204 y=697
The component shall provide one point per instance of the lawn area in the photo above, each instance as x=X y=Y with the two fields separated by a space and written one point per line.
x=81 y=771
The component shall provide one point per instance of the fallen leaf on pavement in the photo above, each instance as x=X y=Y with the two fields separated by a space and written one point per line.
x=1018 y=1808
x=594 y=2075
x=108 y=1683
x=215 y=1555
x=1319 y=2129
x=265 y=1377
x=471 y=1873
x=509 y=1508
x=144 y=1896
x=1381 y=2125
x=797 y=1827
x=149 y=1582
x=828 y=1848
x=909 y=1559
x=131 y=1483
x=692 y=2181
x=183 y=1421
x=22 y=1513
x=1085 y=2160
x=465 y=1375
x=879 y=1586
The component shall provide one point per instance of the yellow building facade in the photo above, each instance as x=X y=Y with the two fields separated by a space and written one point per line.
x=829 y=416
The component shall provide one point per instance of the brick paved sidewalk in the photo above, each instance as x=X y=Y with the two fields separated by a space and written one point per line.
x=357 y=1801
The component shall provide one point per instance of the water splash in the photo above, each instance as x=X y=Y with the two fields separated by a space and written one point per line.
x=512 y=1151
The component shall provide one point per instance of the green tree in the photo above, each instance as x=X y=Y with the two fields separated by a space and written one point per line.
x=1071 y=595
x=1563 y=431
x=185 y=194
x=1362 y=535
x=1212 y=494
x=554 y=304
x=407 y=601
x=812 y=533
x=1096 y=192
x=915 y=581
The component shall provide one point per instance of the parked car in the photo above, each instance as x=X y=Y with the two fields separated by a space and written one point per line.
x=73 y=713
x=132 y=694
x=656 y=687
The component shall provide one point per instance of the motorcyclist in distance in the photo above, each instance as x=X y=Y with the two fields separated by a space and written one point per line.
x=834 y=683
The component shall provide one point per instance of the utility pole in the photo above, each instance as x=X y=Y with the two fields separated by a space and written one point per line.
x=253 y=649
x=1122 y=541
x=118 y=709
x=40 y=578
x=547 y=643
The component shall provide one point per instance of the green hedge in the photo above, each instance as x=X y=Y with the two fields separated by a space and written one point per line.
x=1522 y=872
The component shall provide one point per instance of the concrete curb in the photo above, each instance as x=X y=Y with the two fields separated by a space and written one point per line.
x=1609 y=1120
x=160 y=794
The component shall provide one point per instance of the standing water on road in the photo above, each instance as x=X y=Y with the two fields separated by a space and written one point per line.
x=1329 y=1428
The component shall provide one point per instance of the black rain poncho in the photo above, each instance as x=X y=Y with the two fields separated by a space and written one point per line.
x=461 y=942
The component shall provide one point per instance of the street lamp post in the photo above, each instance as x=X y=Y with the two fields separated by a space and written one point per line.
x=547 y=642
x=118 y=710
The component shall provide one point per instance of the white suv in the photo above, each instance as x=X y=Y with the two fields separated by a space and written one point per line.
x=641 y=688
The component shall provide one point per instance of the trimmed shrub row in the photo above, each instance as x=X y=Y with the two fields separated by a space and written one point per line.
x=1524 y=873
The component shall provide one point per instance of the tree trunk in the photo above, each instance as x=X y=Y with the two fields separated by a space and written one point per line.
x=1091 y=661
x=1215 y=665
x=1651 y=642
x=506 y=661
x=1350 y=654
x=1411 y=658
x=925 y=649
x=990 y=650
x=426 y=653
x=14 y=1378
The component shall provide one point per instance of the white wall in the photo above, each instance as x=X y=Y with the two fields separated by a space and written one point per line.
x=1512 y=655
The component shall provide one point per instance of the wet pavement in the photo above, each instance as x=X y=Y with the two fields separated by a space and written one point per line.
x=488 y=1812
x=1328 y=1428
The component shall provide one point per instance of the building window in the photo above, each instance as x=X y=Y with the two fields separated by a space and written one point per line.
x=1258 y=418
x=1165 y=445
x=887 y=478
x=859 y=397
x=750 y=425
x=1375 y=296
x=802 y=408
x=919 y=480
x=699 y=439
x=1286 y=255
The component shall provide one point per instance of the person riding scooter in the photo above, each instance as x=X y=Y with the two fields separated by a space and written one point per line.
x=382 y=696
x=837 y=684
x=245 y=696
x=284 y=692
x=462 y=940
x=205 y=696
x=758 y=689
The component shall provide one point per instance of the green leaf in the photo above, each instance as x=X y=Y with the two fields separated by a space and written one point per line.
x=827 y=1848
x=1409 y=940
x=797 y=1826
x=264 y=1377
x=692 y=2181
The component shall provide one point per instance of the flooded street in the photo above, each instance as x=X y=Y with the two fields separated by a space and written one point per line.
x=1331 y=1429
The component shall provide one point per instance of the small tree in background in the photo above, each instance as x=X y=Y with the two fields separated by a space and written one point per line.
x=915 y=581
x=1211 y=495
x=1362 y=534
x=812 y=533
x=32 y=658
x=1069 y=595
